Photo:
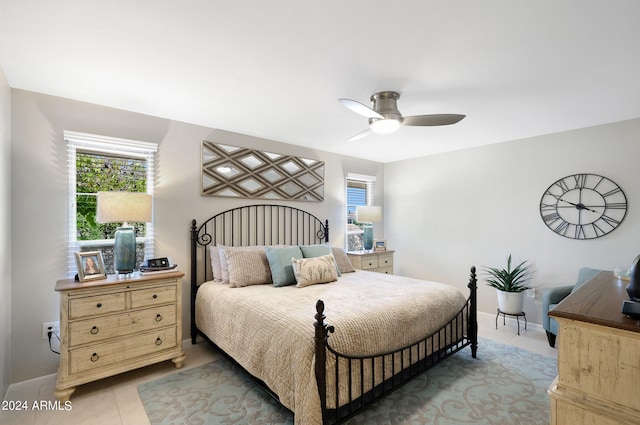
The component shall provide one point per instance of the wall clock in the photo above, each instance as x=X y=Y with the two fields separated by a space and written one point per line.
x=583 y=206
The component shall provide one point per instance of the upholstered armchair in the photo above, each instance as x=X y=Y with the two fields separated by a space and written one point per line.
x=552 y=297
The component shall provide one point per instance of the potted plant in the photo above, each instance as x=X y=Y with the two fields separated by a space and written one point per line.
x=510 y=285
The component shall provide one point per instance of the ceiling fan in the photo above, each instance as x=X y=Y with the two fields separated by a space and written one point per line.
x=385 y=118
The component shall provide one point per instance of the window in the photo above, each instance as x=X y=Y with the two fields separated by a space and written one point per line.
x=98 y=163
x=360 y=190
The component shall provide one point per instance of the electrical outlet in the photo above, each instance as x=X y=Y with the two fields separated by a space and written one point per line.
x=55 y=327
x=531 y=292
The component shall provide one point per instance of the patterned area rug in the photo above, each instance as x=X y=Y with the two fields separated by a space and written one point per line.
x=504 y=385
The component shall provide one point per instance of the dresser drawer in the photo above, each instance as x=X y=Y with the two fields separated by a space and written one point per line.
x=369 y=262
x=153 y=296
x=385 y=270
x=385 y=260
x=97 y=305
x=100 y=328
x=105 y=354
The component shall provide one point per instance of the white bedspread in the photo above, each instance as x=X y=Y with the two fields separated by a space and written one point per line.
x=269 y=330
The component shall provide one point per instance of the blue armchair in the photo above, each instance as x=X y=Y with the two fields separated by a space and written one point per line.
x=552 y=296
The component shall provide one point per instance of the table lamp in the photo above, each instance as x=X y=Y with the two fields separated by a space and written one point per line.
x=368 y=215
x=123 y=207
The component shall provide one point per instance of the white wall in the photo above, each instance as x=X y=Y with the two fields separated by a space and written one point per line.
x=5 y=234
x=447 y=212
x=442 y=213
x=40 y=196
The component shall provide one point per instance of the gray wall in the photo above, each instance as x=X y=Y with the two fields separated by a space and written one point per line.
x=40 y=196
x=444 y=213
x=5 y=234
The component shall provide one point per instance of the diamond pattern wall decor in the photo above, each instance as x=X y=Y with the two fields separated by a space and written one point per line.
x=233 y=171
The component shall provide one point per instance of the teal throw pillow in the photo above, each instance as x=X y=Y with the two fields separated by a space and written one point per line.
x=280 y=263
x=312 y=251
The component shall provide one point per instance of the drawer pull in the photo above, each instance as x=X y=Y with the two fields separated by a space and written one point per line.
x=371 y=264
x=158 y=317
x=95 y=357
x=94 y=330
x=155 y=296
x=99 y=305
x=158 y=341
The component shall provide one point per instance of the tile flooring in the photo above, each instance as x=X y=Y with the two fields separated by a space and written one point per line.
x=115 y=400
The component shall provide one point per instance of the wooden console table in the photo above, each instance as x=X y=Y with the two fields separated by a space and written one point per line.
x=598 y=357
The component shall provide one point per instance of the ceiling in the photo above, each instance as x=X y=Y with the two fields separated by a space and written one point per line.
x=275 y=69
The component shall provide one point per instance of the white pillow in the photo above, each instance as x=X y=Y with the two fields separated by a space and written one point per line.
x=216 y=269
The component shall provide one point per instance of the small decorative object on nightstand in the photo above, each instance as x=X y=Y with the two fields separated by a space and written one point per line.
x=114 y=325
x=380 y=261
x=380 y=245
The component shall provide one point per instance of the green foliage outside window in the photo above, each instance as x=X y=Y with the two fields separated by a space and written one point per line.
x=99 y=172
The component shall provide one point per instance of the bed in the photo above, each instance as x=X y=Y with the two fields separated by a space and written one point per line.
x=382 y=330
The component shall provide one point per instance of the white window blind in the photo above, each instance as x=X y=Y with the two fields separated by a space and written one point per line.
x=121 y=151
x=360 y=190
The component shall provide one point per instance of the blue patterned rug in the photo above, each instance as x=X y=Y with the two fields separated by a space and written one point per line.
x=504 y=385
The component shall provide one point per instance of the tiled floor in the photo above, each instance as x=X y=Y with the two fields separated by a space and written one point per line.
x=115 y=401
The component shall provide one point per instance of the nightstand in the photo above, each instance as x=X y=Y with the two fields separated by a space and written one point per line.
x=114 y=325
x=375 y=261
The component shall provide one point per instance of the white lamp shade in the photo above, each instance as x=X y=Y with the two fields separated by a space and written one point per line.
x=120 y=207
x=369 y=214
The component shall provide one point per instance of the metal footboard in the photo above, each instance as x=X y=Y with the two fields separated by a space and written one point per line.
x=347 y=383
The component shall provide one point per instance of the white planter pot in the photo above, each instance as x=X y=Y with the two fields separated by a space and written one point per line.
x=511 y=302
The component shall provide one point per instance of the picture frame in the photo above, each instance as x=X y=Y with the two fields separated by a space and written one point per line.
x=90 y=266
x=380 y=245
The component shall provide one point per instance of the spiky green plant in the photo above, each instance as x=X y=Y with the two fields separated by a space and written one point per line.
x=509 y=280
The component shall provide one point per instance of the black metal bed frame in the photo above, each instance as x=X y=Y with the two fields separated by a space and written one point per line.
x=268 y=224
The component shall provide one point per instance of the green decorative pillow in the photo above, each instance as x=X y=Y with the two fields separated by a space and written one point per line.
x=309 y=271
x=310 y=251
x=280 y=263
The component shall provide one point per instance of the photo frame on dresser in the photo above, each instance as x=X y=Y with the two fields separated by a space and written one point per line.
x=380 y=245
x=90 y=265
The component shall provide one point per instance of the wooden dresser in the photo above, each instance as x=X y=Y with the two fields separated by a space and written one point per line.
x=113 y=325
x=375 y=261
x=598 y=379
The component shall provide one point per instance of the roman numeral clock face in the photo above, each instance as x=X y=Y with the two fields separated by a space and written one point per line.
x=583 y=206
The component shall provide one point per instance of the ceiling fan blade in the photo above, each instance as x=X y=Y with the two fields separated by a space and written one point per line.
x=430 y=120
x=360 y=109
x=360 y=135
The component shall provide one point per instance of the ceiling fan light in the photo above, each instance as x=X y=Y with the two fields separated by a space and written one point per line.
x=385 y=126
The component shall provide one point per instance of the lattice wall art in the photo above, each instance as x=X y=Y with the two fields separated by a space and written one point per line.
x=233 y=171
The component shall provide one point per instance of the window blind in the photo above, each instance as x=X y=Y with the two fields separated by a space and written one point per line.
x=106 y=151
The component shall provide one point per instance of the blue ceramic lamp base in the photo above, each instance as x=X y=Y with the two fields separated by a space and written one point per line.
x=367 y=237
x=124 y=250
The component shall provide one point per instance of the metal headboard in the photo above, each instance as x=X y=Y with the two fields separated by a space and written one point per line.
x=250 y=225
